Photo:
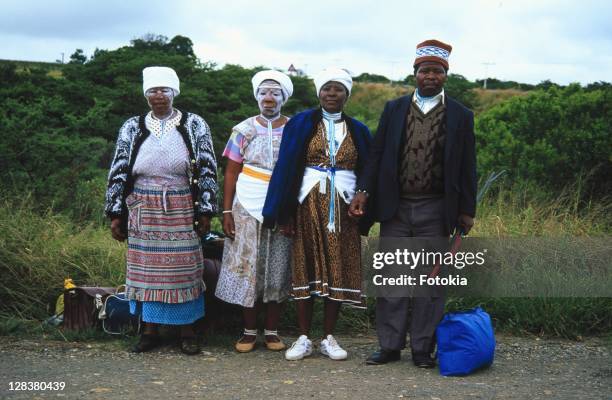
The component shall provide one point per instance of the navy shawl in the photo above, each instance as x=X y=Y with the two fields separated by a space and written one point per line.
x=282 y=198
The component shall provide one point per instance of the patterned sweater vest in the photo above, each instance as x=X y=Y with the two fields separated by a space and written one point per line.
x=422 y=155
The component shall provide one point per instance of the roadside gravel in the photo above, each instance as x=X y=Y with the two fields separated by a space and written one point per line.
x=524 y=368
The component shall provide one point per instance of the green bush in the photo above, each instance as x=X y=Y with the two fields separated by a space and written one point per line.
x=551 y=137
x=59 y=132
x=459 y=88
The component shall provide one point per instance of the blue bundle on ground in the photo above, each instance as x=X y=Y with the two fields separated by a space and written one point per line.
x=465 y=342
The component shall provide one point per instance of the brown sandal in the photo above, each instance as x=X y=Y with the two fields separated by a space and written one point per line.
x=245 y=347
x=274 y=346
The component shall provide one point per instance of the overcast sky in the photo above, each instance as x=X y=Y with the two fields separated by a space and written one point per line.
x=526 y=41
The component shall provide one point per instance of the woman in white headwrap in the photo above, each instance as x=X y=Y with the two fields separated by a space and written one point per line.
x=161 y=195
x=255 y=263
x=311 y=186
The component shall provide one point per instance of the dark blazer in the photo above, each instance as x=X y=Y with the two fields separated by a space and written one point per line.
x=286 y=181
x=380 y=176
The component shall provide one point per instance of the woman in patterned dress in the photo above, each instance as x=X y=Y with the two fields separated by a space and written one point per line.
x=312 y=184
x=161 y=195
x=255 y=263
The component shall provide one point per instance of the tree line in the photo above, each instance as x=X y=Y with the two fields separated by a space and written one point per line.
x=58 y=132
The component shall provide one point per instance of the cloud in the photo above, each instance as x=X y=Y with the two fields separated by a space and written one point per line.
x=527 y=41
x=66 y=19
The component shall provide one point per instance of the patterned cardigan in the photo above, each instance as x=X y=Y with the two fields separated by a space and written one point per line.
x=202 y=175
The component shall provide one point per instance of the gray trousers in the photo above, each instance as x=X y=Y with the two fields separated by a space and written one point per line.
x=414 y=218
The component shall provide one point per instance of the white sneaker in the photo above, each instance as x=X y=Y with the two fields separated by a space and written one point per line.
x=332 y=349
x=299 y=349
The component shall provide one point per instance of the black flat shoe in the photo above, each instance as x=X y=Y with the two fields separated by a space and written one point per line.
x=423 y=361
x=146 y=343
x=383 y=356
x=190 y=345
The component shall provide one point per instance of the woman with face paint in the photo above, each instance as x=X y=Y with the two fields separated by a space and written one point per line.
x=311 y=186
x=161 y=195
x=255 y=265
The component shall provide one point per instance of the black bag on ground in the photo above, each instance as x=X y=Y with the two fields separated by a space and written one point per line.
x=81 y=306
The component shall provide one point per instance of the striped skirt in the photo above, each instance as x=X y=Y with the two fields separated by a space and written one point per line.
x=164 y=258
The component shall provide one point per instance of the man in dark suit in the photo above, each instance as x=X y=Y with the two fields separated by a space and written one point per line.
x=419 y=181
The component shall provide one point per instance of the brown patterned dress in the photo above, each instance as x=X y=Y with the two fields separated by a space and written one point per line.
x=327 y=263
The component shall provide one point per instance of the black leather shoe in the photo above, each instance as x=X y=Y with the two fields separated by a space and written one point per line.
x=190 y=345
x=383 y=356
x=146 y=343
x=423 y=360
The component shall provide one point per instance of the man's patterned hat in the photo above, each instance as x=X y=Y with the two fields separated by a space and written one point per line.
x=433 y=50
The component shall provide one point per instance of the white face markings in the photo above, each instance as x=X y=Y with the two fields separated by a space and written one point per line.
x=270 y=98
x=167 y=92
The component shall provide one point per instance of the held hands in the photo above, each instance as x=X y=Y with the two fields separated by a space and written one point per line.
x=358 y=205
x=229 y=229
x=116 y=229
x=466 y=222
x=287 y=229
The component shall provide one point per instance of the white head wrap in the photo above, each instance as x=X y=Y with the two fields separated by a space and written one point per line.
x=160 y=77
x=283 y=80
x=333 y=74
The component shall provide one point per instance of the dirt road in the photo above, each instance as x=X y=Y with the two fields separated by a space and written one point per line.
x=524 y=368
